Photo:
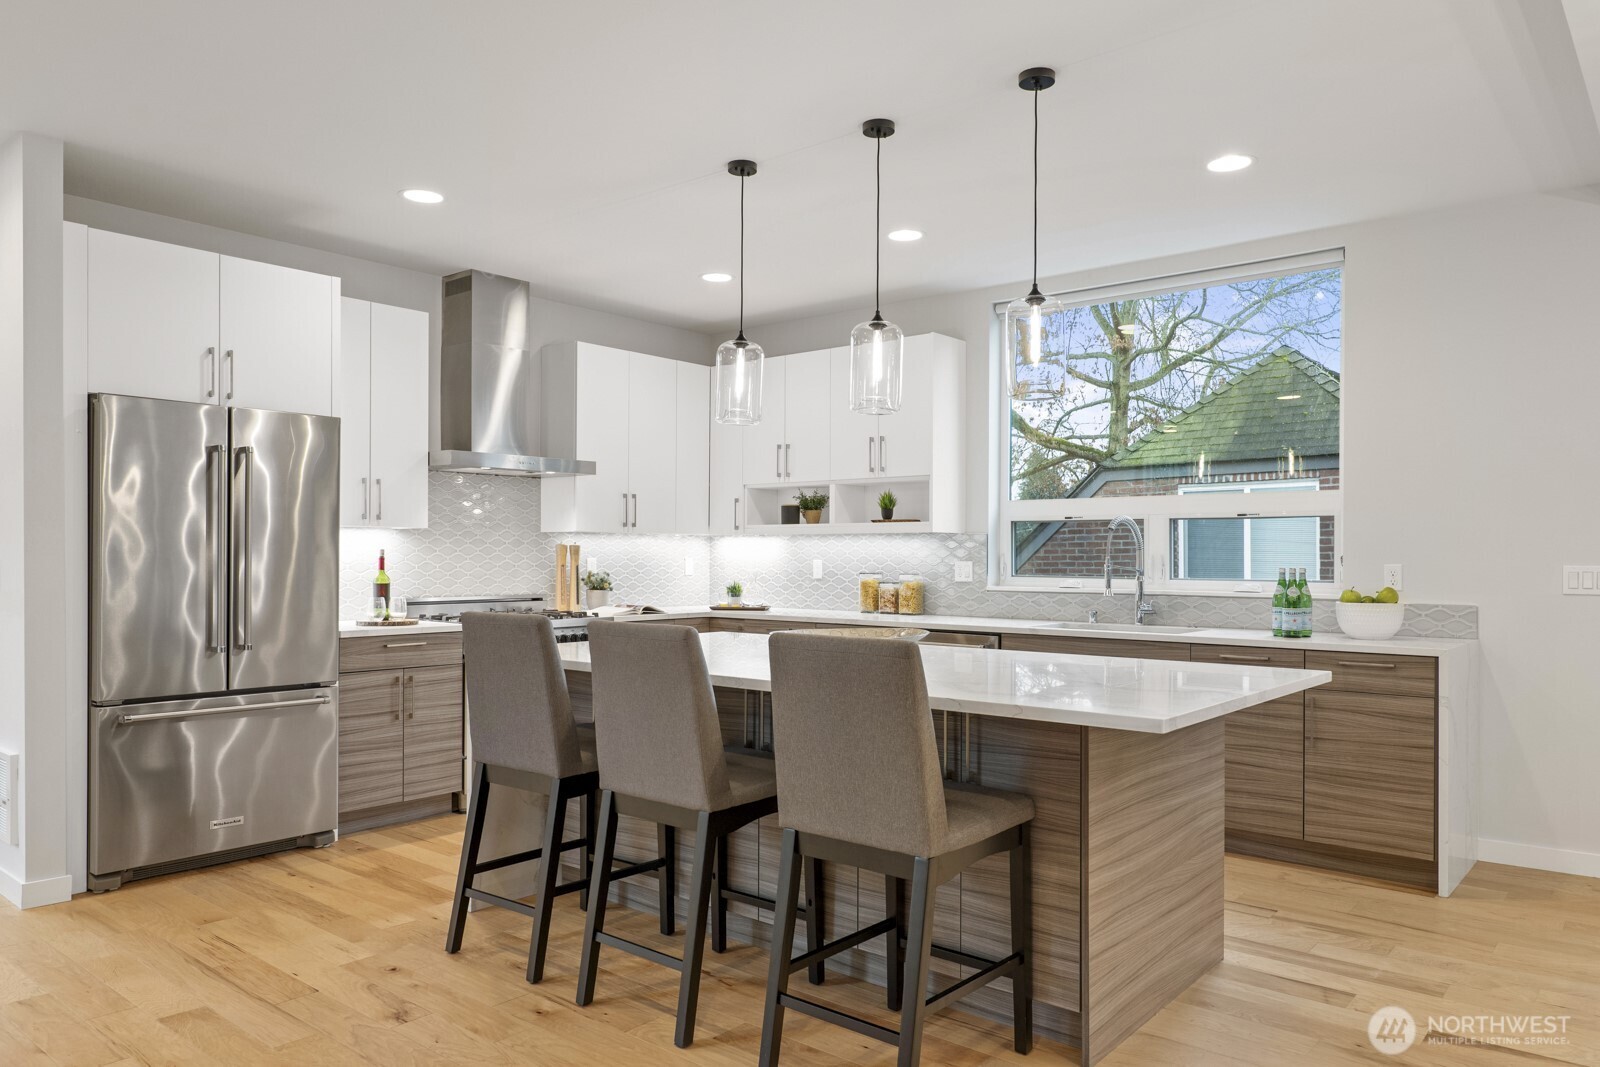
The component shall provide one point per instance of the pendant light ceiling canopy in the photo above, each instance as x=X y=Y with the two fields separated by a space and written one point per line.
x=740 y=363
x=876 y=345
x=1026 y=317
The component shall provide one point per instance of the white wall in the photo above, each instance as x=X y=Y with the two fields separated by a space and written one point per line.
x=1470 y=396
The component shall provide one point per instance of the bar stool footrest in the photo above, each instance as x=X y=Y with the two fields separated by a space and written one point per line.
x=833 y=948
x=636 y=949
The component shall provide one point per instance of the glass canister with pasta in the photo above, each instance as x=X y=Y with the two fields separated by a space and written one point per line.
x=867 y=585
x=911 y=594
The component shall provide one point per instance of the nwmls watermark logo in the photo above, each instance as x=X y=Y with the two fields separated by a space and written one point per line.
x=1393 y=1030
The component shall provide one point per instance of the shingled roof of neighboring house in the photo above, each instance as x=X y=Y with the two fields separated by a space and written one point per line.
x=1245 y=421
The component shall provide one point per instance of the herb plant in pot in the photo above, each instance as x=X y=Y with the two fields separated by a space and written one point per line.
x=886 y=503
x=811 y=505
x=597 y=588
x=735 y=594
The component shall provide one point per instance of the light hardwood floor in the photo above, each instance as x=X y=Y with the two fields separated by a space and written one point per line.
x=334 y=956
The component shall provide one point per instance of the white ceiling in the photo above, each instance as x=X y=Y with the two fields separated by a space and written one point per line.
x=581 y=145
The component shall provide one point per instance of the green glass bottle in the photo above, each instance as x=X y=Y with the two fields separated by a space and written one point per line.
x=1280 y=604
x=1304 y=601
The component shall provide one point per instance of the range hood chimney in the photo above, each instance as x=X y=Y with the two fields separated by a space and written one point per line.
x=489 y=383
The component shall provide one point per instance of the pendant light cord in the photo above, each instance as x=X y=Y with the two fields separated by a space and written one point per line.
x=741 y=257
x=877 y=238
x=1036 y=190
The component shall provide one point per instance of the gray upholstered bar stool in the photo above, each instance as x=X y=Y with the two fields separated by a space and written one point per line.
x=524 y=737
x=859 y=783
x=661 y=759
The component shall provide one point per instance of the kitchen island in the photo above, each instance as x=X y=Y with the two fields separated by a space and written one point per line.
x=1124 y=761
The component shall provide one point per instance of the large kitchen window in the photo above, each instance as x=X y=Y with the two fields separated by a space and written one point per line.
x=1206 y=407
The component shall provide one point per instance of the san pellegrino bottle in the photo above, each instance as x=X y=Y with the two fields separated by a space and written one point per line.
x=1304 y=619
x=380 y=583
x=1280 y=604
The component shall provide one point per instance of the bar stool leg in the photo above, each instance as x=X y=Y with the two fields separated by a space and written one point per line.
x=816 y=972
x=1022 y=941
x=470 y=842
x=719 y=904
x=694 y=937
x=894 y=951
x=914 y=1010
x=599 y=890
x=586 y=857
x=783 y=919
x=555 y=825
x=667 y=839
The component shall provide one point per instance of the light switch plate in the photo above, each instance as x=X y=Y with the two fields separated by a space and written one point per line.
x=594 y=564
x=1391 y=576
x=816 y=568
x=1580 y=580
x=964 y=570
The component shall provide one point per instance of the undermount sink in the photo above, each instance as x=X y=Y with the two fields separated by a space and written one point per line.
x=1122 y=628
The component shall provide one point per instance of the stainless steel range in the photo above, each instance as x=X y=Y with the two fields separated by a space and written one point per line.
x=568 y=625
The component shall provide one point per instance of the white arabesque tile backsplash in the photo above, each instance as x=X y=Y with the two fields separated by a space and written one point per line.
x=484 y=538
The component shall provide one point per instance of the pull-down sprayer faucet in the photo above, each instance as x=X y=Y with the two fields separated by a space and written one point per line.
x=1141 y=606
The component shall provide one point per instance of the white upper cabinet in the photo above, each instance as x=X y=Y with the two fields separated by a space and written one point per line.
x=383 y=407
x=763 y=442
x=727 y=470
x=854 y=438
x=179 y=323
x=932 y=368
x=277 y=337
x=694 y=442
x=622 y=411
x=153 y=319
x=806 y=428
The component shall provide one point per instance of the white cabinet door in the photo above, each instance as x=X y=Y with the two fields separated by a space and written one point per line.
x=601 y=395
x=905 y=439
x=694 y=442
x=806 y=422
x=399 y=417
x=727 y=471
x=277 y=337
x=355 y=406
x=152 y=319
x=854 y=444
x=652 y=432
x=763 y=442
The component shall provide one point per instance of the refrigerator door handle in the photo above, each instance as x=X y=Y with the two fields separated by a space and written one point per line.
x=216 y=471
x=243 y=608
x=157 y=716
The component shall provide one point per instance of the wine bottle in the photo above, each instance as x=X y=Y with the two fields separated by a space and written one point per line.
x=380 y=583
x=1280 y=604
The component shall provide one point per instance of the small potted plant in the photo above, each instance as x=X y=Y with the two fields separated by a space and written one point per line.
x=811 y=505
x=597 y=588
x=886 y=503
x=735 y=594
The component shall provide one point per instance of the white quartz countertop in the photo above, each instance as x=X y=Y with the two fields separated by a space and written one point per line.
x=1322 y=642
x=1142 y=695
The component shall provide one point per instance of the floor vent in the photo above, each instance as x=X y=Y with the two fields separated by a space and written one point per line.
x=10 y=763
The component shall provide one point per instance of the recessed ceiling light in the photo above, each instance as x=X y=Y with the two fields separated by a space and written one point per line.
x=1230 y=162
x=905 y=235
x=422 y=196
x=716 y=276
x=1290 y=396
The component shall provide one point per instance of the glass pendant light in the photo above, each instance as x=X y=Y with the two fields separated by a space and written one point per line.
x=875 y=345
x=1029 y=378
x=740 y=363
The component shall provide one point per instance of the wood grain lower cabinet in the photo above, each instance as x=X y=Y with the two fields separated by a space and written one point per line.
x=371 y=740
x=433 y=747
x=1266 y=769
x=1094 y=646
x=1369 y=772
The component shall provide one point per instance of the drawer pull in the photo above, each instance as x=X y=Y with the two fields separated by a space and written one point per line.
x=1380 y=666
x=1244 y=659
x=405 y=644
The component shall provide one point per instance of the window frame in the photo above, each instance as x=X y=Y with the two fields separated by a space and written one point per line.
x=1157 y=512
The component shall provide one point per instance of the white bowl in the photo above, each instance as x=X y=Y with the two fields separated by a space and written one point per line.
x=1370 y=622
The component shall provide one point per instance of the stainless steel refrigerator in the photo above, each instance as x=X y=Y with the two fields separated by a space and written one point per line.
x=213 y=634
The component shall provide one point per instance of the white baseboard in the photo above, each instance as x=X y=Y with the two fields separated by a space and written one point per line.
x=1539 y=857
x=35 y=894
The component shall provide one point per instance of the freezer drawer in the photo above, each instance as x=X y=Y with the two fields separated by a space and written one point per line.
x=186 y=779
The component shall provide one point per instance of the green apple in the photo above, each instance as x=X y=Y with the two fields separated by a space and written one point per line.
x=1350 y=596
x=1387 y=595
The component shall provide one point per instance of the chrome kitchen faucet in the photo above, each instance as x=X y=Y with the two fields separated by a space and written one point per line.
x=1141 y=606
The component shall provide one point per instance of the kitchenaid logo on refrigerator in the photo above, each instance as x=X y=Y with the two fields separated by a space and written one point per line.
x=1393 y=1030
x=220 y=824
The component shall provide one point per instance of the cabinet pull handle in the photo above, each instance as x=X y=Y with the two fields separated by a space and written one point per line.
x=379 y=483
x=624 y=511
x=366 y=499
x=871 y=469
x=211 y=354
x=232 y=374
x=405 y=644
x=635 y=522
x=1245 y=659
x=883 y=455
x=786 y=473
x=1379 y=666
x=735 y=513
x=777 y=461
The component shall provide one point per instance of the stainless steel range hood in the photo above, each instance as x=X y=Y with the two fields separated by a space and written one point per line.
x=489 y=383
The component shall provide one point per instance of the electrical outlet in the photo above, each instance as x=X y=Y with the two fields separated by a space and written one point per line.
x=594 y=563
x=1580 y=580
x=964 y=570
x=816 y=568
x=688 y=566
x=1391 y=576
